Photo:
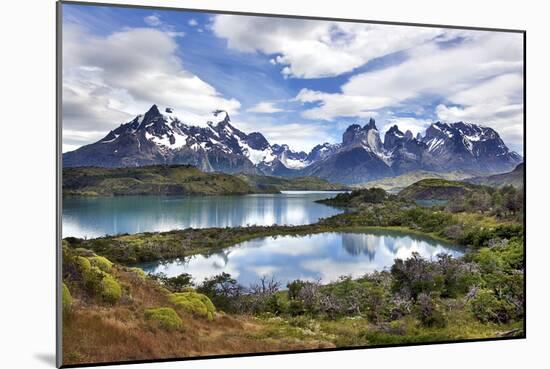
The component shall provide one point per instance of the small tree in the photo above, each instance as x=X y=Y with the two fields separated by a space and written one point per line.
x=429 y=311
x=223 y=290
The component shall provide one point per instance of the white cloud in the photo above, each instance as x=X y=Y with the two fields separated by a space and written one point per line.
x=106 y=79
x=443 y=71
x=313 y=49
x=153 y=20
x=339 y=105
x=193 y=22
x=497 y=102
x=405 y=124
x=299 y=136
x=479 y=80
x=265 y=107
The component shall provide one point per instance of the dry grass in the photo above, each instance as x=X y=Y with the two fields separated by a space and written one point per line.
x=95 y=333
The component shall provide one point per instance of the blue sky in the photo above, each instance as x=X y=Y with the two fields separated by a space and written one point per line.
x=298 y=82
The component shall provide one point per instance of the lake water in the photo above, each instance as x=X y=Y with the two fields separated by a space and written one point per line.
x=99 y=216
x=323 y=257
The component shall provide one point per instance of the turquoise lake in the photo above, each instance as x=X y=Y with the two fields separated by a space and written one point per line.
x=99 y=216
x=323 y=257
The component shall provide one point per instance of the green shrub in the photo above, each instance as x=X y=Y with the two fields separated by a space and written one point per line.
x=102 y=263
x=488 y=308
x=83 y=252
x=429 y=311
x=110 y=289
x=195 y=303
x=92 y=280
x=165 y=317
x=175 y=284
x=223 y=291
x=83 y=265
x=66 y=298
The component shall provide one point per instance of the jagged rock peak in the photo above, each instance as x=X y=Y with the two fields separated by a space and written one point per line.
x=226 y=119
x=394 y=130
x=371 y=124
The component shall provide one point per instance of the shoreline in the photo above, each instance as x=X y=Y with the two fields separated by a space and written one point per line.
x=240 y=235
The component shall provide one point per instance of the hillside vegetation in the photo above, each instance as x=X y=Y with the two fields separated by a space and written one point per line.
x=120 y=313
x=179 y=180
x=113 y=311
x=514 y=178
x=123 y=315
x=150 y=180
x=396 y=184
x=277 y=184
x=438 y=189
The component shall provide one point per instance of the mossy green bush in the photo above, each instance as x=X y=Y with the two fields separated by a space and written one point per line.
x=83 y=265
x=102 y=263
x=165 y=317
x=140 y=272
x=110 y=289
x=66 y=298
x=195 y=303
x=80 y=251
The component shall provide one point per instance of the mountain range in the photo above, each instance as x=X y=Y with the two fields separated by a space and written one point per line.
x=162 y=138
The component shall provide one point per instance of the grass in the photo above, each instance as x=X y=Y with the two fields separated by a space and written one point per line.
x=358 y=331
x=134 y=328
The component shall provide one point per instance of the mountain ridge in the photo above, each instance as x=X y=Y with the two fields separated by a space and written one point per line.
x=162 y=138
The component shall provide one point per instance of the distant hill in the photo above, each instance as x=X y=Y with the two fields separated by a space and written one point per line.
x=396 y=184
x=514 y=178
x=150 y=180
x=438 y=189
x=179 y=180
x=277 y=184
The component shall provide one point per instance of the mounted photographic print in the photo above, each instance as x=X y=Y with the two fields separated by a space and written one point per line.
x=240 y=184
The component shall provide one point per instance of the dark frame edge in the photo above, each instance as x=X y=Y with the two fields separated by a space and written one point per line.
x=290 y=352
x=58 y=187
x=59 y=335
x=291 y=16
x=525 y=184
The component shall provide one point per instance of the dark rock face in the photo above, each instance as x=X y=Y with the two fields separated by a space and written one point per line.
x=161 y=138
x=350 y=166
x=467 y=147
x=323 y=151
x=393 y=138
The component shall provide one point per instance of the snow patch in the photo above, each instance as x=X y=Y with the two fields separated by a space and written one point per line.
x=295 y=163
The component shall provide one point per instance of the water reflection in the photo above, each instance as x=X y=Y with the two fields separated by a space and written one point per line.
x=325 y=256
x=94 y=217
